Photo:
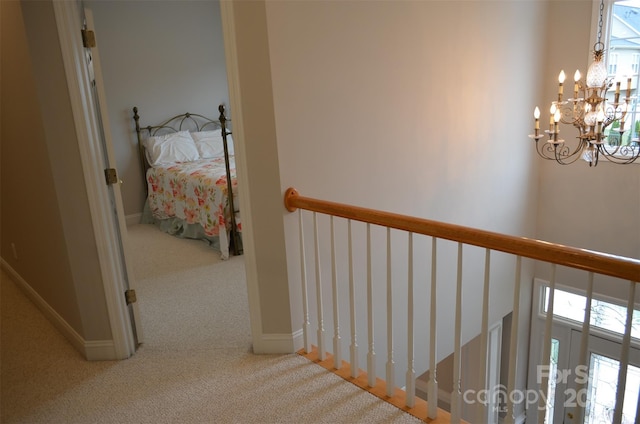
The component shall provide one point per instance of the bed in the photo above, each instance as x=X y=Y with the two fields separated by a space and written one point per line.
x=189 y=169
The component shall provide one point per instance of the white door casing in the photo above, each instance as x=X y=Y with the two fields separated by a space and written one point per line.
x=116 y=195
x=68 y=15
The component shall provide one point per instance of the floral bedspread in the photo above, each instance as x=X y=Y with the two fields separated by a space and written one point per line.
x=195 y=192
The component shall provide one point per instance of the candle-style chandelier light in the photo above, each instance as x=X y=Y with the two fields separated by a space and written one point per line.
x=591 y=114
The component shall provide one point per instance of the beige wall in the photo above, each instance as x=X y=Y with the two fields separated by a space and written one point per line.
x=30 y=215
x=390 y=106
x=45 y=210
x=384 y=105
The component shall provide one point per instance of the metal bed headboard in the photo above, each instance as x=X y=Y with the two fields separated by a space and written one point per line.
x=184 y=121
x=191 y=122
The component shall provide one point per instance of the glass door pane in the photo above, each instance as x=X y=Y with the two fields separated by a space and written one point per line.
x=602 y=387
x=553 y=371
x=599 y=400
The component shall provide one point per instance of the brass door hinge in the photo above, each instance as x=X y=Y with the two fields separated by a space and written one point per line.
x=111 y=176
x=130 y=296
x=88 y=38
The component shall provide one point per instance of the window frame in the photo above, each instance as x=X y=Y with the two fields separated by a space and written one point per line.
x=635 y=63
x=612 y=65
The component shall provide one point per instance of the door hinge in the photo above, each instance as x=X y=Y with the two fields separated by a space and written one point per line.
x=111 y=176
x=130 y=296
x=88 y=38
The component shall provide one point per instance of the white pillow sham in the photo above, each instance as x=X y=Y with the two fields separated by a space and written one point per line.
x=171 y=148
x=210 y=144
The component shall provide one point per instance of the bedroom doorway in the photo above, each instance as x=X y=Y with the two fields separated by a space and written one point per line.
x=266 y=234
x=101 y=13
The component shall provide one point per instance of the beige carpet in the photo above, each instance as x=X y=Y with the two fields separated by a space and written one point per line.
x=195 y=366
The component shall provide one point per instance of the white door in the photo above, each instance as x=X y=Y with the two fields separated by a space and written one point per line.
x=587 y=393
x=99 y=99
x=592 y=388
x=579 y=394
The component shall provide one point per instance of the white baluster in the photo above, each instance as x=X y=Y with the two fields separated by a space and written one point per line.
x=624 y=356
x=482 y=412
x=390 y=365
x=432 y=388
x=513 y=346
x=410 y=389
x=321 y=349
x=584 y=345
x=337 y=343
x=371 y=355
x=546 y=349
x=305 y=303
x=352 y=310
x=456 y=404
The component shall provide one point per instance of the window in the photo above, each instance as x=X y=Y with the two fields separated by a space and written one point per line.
x=604 y=315
x=623 y=64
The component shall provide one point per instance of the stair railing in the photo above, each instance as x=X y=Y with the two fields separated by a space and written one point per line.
x=593 y=262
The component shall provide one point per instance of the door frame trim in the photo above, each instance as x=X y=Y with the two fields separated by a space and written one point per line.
x=113 y=271
x=116 y=195
x=262 y=343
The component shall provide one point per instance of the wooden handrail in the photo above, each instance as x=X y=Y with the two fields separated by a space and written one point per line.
x=587 y=260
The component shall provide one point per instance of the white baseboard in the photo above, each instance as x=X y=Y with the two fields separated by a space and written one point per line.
x=298 y=340
x=100 y=350
x=278 y=343
x=133 y=218
x=92 y=350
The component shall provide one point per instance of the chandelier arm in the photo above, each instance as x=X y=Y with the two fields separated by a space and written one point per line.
x=567 y=158
x=540 y=149
x=628 y=154
x=606 y=153
x=576 y=153
x=552 y=151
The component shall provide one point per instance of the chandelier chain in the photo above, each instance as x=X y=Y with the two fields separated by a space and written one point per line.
x=599 y=43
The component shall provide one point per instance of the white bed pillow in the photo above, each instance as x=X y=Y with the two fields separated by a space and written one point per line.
x=171 y=148
x=210 y=145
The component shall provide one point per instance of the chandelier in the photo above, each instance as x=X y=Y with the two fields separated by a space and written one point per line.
x=591 y=114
